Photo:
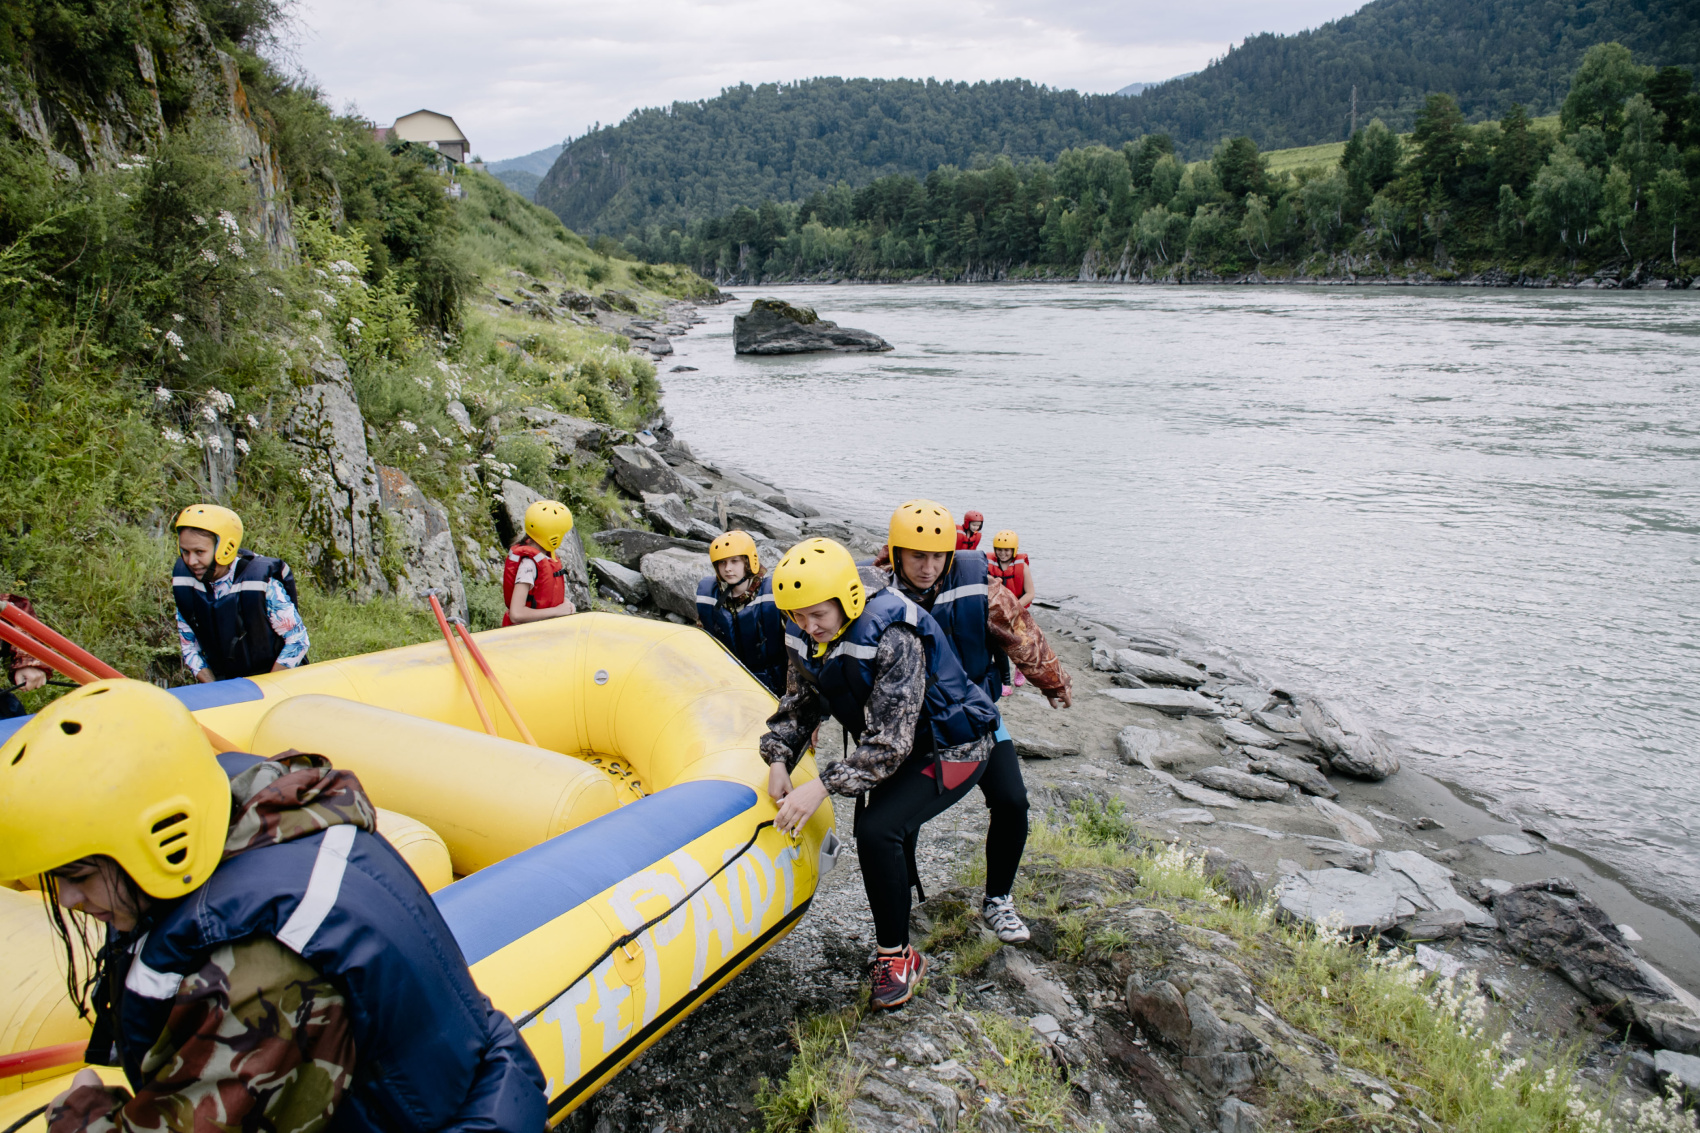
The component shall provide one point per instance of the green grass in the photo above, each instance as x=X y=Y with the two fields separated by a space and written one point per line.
x=1327 y=155
x=816 y=1090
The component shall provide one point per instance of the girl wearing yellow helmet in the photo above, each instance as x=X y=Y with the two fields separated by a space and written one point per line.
x=735 y=605
x=534 y=586
x=884 y=669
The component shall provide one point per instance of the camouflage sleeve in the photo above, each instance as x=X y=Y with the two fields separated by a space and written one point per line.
x=1019 y=636
x=800 y=712
x=256 y=1040
x=893 y=709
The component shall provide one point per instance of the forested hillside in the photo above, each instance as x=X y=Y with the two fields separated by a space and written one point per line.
x=1615 y=184
x=670 y=165
x=214 y=287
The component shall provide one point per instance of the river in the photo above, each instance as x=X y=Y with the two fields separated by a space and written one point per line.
x=1472 y=515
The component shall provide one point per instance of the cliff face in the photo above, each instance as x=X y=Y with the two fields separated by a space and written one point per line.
x=91 y=101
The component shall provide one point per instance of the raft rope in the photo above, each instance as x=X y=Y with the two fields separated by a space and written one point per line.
x=625 y=942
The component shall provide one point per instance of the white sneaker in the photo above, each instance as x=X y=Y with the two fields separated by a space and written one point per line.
x=1000 y=914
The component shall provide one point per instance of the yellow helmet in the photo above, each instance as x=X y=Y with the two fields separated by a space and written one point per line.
x=117 y=768
x=921 y=525
x=1006 y=539
x=731 y=545
x=814 y=571
x=547 y=522
x=225 y=525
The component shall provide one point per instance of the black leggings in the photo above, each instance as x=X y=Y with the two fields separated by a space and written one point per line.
x=1006 y=828
x=886 y=829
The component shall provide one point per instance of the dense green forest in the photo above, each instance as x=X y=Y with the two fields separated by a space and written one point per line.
x=1618 y=180
x=188 y=240
x=674 y=164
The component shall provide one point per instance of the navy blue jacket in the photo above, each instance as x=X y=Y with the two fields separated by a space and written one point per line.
x=754 y=632
x=235 y=636
x=959 y=604
x=432 y=1053
x=956 y=710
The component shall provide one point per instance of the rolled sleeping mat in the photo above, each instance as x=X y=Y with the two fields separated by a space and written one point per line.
x=488 y=798
x=421 y=847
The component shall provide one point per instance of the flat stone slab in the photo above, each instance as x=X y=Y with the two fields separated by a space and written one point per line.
x=1358 y=903
x=1028 y=747
x=1193 y=793
x=629 y=584
x=1241 y=784
x=1300 y=774
x=1354 y=828
x=1508 y=844
x=1156 y=747
x=1242 y=733
x=1170 y=701
x=1164 y=670
x=1289 y=728
x=1682 y=1069
x=1433 y=882
x=1188 y=816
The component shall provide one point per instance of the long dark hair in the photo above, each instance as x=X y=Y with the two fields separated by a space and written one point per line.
x=85 y=965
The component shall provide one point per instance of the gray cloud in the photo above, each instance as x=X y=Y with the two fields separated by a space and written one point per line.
x=522 y=74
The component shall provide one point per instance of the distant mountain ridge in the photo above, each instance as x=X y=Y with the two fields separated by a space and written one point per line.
x=1140 y=88
x=664 y=166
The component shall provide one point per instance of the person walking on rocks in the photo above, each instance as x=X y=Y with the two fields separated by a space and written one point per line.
x=238 y=613
x=985 y=625
x=884 y=669
x=735 y=605
x=270 y=962
x=534 y=586
x=1009 y=566
x=968 y=535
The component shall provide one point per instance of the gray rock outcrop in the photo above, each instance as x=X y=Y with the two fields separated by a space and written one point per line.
x=1300 y=774
x=773 y=326
x=1155 y=748
x=627 y=546
x=667 y=510
x=629 y=584
x=638 y=470
x=1169 y=701
x=343 y=517
x=1240 y=784
x=427 y=546
x=673 y=575
x=1351 y=747
x=1359 y=904
x=760 y=517
x=1159 y=670
x=1243 y=733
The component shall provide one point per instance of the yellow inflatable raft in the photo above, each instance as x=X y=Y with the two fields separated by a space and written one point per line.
x=601 y=885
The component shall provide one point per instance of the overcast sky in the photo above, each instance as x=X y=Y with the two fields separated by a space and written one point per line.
x=518 y=75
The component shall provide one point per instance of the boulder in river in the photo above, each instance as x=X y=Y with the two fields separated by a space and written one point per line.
x=773 y=326
x=1352 y=748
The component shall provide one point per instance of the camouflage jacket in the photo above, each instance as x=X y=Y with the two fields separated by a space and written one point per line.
x=256 y=1038
x=892 y=713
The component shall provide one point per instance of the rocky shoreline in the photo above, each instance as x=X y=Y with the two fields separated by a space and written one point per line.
x=1294 y=801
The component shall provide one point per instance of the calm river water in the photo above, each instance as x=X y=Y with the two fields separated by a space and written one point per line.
x=1474 y=516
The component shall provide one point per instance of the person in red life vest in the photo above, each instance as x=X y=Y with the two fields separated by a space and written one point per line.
x=1009 y=566
x=534 y=583
x=26 y=672
x=968 y=535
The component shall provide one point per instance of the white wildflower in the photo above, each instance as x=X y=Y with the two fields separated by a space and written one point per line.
x=212 y=443
x=320 y=272
x=275 y=292
x=209 y=255
x=408 y=427
x=161 y=394
x=316 y=341
x=355 y=326
x=237 y=250
x=343 y=267
x=313 y=313
x=172 y=435
x=209 y=413
x=243 y=446
x=253 y=422
x=176 y=318
x=174 y=339
x=125 y=165
x=220 y=400
x=200 y=221
x=443 y=366
x=330 y=300
x=423 y=451
x=181 y=357
x=228 y=223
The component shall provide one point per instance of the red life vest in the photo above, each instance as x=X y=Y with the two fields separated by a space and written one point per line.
x=550 y=589
x=1013 y=575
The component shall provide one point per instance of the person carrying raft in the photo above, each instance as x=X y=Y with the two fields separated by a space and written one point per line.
x=534 y=586
x=735 y=605
x=985 y=625
x=238 y=613
x=884 y=669
x=270 y=962
x=968 y=535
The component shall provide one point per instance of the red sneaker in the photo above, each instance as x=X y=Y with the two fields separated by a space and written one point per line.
x=896 y=976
